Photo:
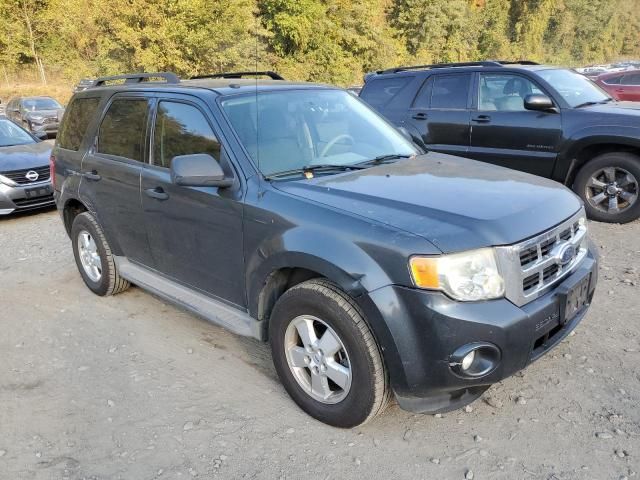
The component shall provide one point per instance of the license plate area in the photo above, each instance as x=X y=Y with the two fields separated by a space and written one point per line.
x=37 y=192
x=575 y=299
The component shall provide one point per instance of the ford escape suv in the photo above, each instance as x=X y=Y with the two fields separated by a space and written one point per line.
x=294 y=214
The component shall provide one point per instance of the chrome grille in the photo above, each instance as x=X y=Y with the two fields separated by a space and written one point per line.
x=532 y=267
x=20 y=176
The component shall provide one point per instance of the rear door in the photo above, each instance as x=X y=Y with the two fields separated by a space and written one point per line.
x=629 y=88
x=440 y=113
x=503 y=132
x=195 y=233
x=111 y=174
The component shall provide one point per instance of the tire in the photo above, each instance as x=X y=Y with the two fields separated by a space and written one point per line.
x=333 y=312
x=109 y=282
x=619 y=171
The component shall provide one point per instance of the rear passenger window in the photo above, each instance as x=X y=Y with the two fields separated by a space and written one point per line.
x=422 y=99
x=381 y=91
x=450 y=91
x=75 y=121
x=613 y=80
x=123 y=129
x=181 y=129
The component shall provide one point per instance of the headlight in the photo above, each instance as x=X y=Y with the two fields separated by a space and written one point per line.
x=36 y=118
x=466 y=276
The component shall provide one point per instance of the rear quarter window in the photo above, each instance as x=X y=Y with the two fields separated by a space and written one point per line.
x=379 y=92
x=75 y=122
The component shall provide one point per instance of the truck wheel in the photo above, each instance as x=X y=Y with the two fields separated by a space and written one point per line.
x=94 y=258
x=608 y=185
x=326 y=356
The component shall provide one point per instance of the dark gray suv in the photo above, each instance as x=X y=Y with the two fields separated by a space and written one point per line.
x=294 y=214
x=38 y=115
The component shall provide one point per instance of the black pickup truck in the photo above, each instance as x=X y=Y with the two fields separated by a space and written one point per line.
x=295 y=214
x=544 y=120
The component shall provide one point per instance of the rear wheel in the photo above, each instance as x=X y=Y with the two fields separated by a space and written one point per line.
x=94 y=258
x=608 y=185
x=326 y=356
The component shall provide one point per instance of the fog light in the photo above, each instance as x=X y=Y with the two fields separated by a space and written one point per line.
x=475 y=359
x=468 y=359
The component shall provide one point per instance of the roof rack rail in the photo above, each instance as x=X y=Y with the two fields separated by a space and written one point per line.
x=137 y=78
x=484 y=63
x=267 y=73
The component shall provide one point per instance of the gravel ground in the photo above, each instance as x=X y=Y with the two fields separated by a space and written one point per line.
x=130 y=387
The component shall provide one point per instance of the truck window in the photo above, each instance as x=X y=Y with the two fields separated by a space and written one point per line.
x=181 y=129
x=75 y=122
x=450 y=92
x=123 y=128
x=379 y=92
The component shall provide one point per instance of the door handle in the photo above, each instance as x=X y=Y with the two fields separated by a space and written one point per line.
x=92 y=175
x=158 y=193
x=420 y=116
x=481 y=119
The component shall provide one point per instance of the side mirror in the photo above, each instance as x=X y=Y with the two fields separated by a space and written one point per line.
x=538 y=102
x=198 y=170
x=41 y=135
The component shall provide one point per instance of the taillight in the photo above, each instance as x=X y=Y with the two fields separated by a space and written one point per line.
x=52 y=170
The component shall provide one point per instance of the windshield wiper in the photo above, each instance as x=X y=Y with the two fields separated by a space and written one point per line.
x=310 y=169
x=380 y=159
x=586 y=104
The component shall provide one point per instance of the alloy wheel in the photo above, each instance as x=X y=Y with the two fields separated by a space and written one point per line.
x=318 y=359
x=89 y=256
x=612 y=190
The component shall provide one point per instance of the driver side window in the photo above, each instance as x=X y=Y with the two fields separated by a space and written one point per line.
x=504 y=92
x=181 y=129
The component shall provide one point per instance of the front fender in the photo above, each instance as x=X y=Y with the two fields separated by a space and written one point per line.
x=343 y=262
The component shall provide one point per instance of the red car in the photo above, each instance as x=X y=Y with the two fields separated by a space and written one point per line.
x=621 y=85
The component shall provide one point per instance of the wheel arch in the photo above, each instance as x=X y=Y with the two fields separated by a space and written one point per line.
x=589 y=147
x=72 y=208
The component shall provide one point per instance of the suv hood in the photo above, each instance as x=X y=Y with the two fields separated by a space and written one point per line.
x=630 y=110
x=18 y=157
x=455 y=203
x=43 y=113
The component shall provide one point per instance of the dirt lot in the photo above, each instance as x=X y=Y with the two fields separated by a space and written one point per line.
x=129 y=387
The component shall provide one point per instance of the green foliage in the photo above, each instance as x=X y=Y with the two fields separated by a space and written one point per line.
x=323 y=40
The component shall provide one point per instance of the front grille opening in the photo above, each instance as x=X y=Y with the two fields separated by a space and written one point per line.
x=528 y=255
x=530 y=282
x=19 y=176
x=28 y=202
x=549 y=272
x=547 y=246
x=566 y=234
x=546 y=340
x=576 y=227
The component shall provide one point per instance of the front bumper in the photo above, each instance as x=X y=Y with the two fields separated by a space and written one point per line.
x=50 y=128
x=25 y=197
x=425 y=328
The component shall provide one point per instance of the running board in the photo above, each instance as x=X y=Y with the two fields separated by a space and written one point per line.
x=219 y=313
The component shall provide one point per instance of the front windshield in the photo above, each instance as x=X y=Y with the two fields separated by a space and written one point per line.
x=297 y=129
x=574 y=88
x=11 y=134
x=40 y=104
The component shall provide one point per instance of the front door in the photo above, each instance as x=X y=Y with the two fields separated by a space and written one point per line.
x=629 y=88
x=110 y=182
x=440 y=113
x=503 y=132
x=195 y=233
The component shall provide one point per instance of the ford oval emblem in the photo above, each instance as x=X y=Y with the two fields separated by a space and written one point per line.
x=566 y=254
x=32 y=175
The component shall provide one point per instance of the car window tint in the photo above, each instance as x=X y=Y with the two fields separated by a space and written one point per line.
x=422 y=98
x=613 y=80
x=450 y=91
x=379 y=92
x=122 y=131
x=631 y=79
x=181 y=129
x=503 y=92
x=75 y=121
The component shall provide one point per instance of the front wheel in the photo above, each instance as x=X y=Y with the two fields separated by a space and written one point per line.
x=326 y=356
x=608 y=185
